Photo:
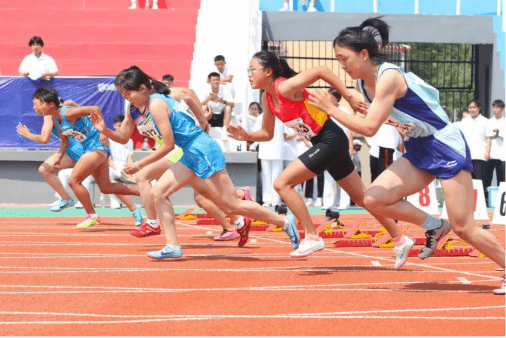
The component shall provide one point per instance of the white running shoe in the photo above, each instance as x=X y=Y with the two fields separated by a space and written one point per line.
x=500 y=291
x=311 y=9
x=432 y=237
x=307 y=247
x=318 y=202
x=402 y=252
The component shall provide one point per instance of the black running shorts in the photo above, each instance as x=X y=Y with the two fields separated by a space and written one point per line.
x=330 y=152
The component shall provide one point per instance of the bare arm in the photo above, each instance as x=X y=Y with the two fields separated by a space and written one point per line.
x=45 y=133
x=489 y=146
x=72 y=114
x=122 y=135
x=293 y=87
x=226 y=79
x=390 y=86
x=191 y=99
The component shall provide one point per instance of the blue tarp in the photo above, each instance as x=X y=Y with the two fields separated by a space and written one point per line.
x=16 y=105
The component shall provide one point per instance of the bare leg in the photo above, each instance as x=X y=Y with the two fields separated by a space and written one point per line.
x=103 y=180
x=213 y=211
x=296 y=173
x=385 y=195
x=86 y=165
x=227 y=116
x=458 y=192
x=47 y=172
x=354 y=186
x=144 y=178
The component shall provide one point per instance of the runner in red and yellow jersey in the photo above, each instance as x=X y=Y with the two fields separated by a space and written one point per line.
x=286 y=98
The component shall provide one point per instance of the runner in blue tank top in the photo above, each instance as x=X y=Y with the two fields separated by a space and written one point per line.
x=202 y=165
x=74 y=122
x=434 y=147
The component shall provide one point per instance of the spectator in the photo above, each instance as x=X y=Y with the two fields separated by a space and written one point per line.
x=253 y=111
x=357 y=145
x=474 y=129
x=226 y=74
x=168 y=80
x=121 y=155
x=463 y=114
x=38 y=65
x=134 y=4
x=217 y=105
x=310 y=8
x=495 y=144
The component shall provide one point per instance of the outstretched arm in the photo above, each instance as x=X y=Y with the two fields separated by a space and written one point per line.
x=45 y=133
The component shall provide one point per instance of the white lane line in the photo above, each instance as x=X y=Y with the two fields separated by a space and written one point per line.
x=464 y=280
x=356 y=254
x=376 y=263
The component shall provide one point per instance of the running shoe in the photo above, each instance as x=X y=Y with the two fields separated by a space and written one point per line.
x=500 y=291
x=432 y=238
x=166 y=252
x=62 y=205
x=402 y=252
x=227 y=235
x=307 y=247
x=292 y=231
x=244 y=232
x=89 y=221
x=137 y=213
x=247 y=194
x=146 y=230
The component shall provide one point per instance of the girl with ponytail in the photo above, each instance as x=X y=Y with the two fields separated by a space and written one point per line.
x=199 y=163
x=286 y=98
x=434 y=147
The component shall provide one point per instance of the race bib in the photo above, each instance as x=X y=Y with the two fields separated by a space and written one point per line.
x=401 y=126
x=182 y=107
x=78 y=136
x=301 y=128
x=149 y=131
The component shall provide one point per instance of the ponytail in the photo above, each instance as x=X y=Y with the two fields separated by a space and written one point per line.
x=279 y=66
x=364 y=37
x=160 y=87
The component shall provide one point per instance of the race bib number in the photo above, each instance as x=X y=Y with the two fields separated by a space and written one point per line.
x=78 y=136
x=401 y=126
x=149 y=130
x=301 y=128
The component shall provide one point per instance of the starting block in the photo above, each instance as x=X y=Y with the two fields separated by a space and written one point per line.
x=191 y=213
x=476 y=253
x=383 y=238
x=445 y=247
x=355 y=237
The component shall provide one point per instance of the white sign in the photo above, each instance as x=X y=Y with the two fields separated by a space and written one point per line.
x=479 y=205
x=426 y=199
x=500 y=206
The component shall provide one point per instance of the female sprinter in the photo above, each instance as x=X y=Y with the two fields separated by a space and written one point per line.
x=285 y=97
x=202 y=166
x=74 y=122
x=434 y=147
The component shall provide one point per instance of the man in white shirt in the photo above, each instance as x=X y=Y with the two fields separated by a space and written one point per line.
x=474 y=129
x=495 y=150
x=226 y=74
x=217 y=104
x=38 y=65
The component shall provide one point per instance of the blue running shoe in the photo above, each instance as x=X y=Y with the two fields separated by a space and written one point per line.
x=292 y=231
x=62 y=205
x=137 y=213
x=166 y=252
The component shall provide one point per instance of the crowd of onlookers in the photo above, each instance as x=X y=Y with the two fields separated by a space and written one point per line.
x=484 y=136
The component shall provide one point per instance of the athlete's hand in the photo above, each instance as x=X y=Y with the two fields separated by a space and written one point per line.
x=97 y=119
x=322 y=100
x=205 y=126
x=23 y=130
x=103 y=140
x=237 y=133
x=358 y=104
x=130 y=168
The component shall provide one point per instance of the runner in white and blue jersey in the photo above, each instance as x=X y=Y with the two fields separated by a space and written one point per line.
x=74 y=122
x=202 y=165
x=434 y=147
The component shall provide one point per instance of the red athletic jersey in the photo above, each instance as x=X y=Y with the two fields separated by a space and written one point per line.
x=306 y=119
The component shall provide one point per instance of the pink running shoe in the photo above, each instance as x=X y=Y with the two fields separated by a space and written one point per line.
x=227 y=235
x=89 y=221
x=247 y=194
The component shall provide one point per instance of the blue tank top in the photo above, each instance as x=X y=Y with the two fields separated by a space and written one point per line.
x=184 y=127
x=418 y=113
x=81 y=130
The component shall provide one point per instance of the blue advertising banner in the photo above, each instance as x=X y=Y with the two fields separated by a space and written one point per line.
x=16 y=105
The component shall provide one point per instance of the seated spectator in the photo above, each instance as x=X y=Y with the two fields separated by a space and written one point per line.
x=217 y=104
x=226 y=74
x=64 y=175
x=38 y=65
x=310 y=8
x=168 y=80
